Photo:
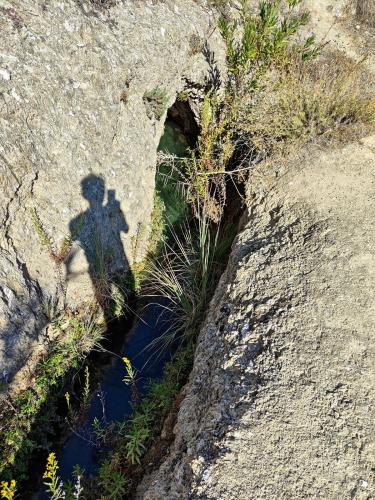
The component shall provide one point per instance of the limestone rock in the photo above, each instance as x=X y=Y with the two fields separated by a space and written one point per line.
x=75 y=139
x=280 y=400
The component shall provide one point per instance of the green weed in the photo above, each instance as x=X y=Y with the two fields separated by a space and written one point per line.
x=23 y=417
x=255 y=42
x=112 y=482
x=57 y=253
x=155 y=102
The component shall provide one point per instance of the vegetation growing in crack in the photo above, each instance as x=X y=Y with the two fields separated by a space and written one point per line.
x=57 y=253
x=71 y=337
x=278 y=97
x=155 y=102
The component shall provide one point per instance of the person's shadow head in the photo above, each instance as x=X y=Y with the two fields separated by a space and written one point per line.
x=93 y=189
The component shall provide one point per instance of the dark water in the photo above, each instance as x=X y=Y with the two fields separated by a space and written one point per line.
x=115 y=393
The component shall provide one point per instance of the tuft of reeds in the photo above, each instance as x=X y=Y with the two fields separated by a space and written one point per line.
x=182 y=276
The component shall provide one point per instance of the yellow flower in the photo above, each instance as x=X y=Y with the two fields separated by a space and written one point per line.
x=126 y=361
x=51 y=467
x=8 y=490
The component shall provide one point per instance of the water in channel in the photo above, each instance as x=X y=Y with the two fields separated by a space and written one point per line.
x=112 y=400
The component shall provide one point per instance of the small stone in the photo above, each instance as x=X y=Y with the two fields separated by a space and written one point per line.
x=5 y=74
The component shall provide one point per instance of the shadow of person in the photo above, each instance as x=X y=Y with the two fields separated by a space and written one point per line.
x=99 y=235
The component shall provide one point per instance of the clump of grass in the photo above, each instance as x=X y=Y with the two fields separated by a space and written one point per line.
x=112 y=482
x=328 y=98
x=155 y=101
x=182 y=275
x=57 y=253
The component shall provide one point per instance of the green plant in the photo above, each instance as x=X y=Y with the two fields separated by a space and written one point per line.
x=129 y=378
x=155 y=102
x=137 y=240
x=254 y=42
x=86 y=387
x=58 y=253
x=135 y=441
x=53 y=483
x=55 y=487
x=149 y=413
x=182 y=275
x=100 y=431
x=74 y=490
x=112 y=481
x=75 y=336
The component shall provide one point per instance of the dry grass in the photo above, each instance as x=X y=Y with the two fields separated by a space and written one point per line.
x=327 y=98
x=365 y=12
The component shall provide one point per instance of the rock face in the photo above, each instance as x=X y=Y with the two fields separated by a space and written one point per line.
x=280 y=400
x=78 y=142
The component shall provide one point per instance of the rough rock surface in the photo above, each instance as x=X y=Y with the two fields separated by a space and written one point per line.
x=73 y=127
x=280 y=400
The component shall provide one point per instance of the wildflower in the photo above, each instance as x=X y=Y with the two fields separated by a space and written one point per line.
x=130 y=372
x=51 y=467
x=8 y=490
x=67 y=397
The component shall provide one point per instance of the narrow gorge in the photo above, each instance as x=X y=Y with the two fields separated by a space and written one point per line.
x=187 y=249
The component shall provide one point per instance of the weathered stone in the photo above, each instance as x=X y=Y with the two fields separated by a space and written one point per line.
x=280 y=400
x=75 y=139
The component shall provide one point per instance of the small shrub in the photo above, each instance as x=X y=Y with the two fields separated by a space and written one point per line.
x=255 y=42
x=112 y=481
x=324 y=98
x=156 y=101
